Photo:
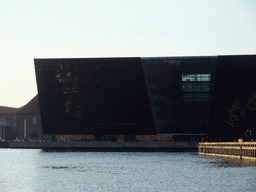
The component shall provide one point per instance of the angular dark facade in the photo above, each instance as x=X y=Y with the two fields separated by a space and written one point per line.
x=169 y=95
x=100 y=96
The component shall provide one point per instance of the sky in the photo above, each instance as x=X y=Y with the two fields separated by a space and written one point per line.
x=32 y=29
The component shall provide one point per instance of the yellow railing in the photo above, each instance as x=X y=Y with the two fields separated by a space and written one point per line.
x=232 y=149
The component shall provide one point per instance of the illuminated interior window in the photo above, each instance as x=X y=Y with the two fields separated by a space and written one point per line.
x=196 y=77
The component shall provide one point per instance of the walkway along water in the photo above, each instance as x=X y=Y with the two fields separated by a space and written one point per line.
x=245 y=150
x=104 y=145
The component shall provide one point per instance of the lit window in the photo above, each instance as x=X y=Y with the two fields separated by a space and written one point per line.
x=34 y=120
x=196 y=77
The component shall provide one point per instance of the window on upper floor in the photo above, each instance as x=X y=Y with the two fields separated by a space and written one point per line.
x=191 y=97
x=195 y=87
x=196 y=77
x=34 y=120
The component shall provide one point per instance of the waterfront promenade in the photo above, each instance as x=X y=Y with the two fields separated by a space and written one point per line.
x=242 y=150
x=103 y=145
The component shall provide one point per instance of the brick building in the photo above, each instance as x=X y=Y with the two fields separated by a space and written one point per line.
x=8 y=122
x=29 y=122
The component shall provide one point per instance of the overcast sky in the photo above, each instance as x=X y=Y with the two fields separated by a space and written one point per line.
x=115 y=28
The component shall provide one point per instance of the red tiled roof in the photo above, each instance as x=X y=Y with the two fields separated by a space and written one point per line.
x=8 y=110
x=31 y=107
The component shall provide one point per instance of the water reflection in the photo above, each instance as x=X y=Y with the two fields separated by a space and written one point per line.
x=232 y=162
x=39 y=170
x=120 y=150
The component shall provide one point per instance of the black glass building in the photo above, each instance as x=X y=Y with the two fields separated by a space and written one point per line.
x=155 y=95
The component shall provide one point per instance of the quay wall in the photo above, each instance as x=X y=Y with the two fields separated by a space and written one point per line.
x=102 y=145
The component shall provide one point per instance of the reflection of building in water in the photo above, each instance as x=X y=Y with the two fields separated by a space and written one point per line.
x=91 y=96
x=66 y=75
x=186 y=97
x=118 y=138
x=179 y=92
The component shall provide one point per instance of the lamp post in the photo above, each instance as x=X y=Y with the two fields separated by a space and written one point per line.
x=220 y=129
x=243 y=123
x=2 y=130
x=25 y=129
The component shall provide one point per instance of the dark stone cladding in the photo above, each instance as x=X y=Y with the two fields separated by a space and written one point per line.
x=174 y=110
x=140 y=95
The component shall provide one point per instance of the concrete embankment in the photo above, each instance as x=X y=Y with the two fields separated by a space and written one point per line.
x=105 y=146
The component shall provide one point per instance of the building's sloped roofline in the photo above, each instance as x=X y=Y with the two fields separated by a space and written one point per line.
x=8 y=110
x=30 y=107
x=181 y=57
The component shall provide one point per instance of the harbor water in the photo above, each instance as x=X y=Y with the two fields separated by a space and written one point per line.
x=67 y=170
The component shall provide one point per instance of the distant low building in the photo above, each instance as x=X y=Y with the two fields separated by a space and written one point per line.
x=8 y=122
x=29 y=122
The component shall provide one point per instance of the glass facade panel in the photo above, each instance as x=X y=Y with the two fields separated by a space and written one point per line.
x=195 y=87
x=170 y=94
x=196 y=77
x=125 y=95
x=191 y=97
x=142 y=95
x=93 y=96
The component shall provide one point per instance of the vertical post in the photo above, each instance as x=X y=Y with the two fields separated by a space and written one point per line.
x=241 y=152
x=25 y=127
x=243 y=123
x=220 y=129
x=207 y=129
x=233 y=131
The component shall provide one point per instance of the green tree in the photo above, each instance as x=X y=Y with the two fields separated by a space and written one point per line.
x=251 y=101
x=244 y=112
x=251 y=110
